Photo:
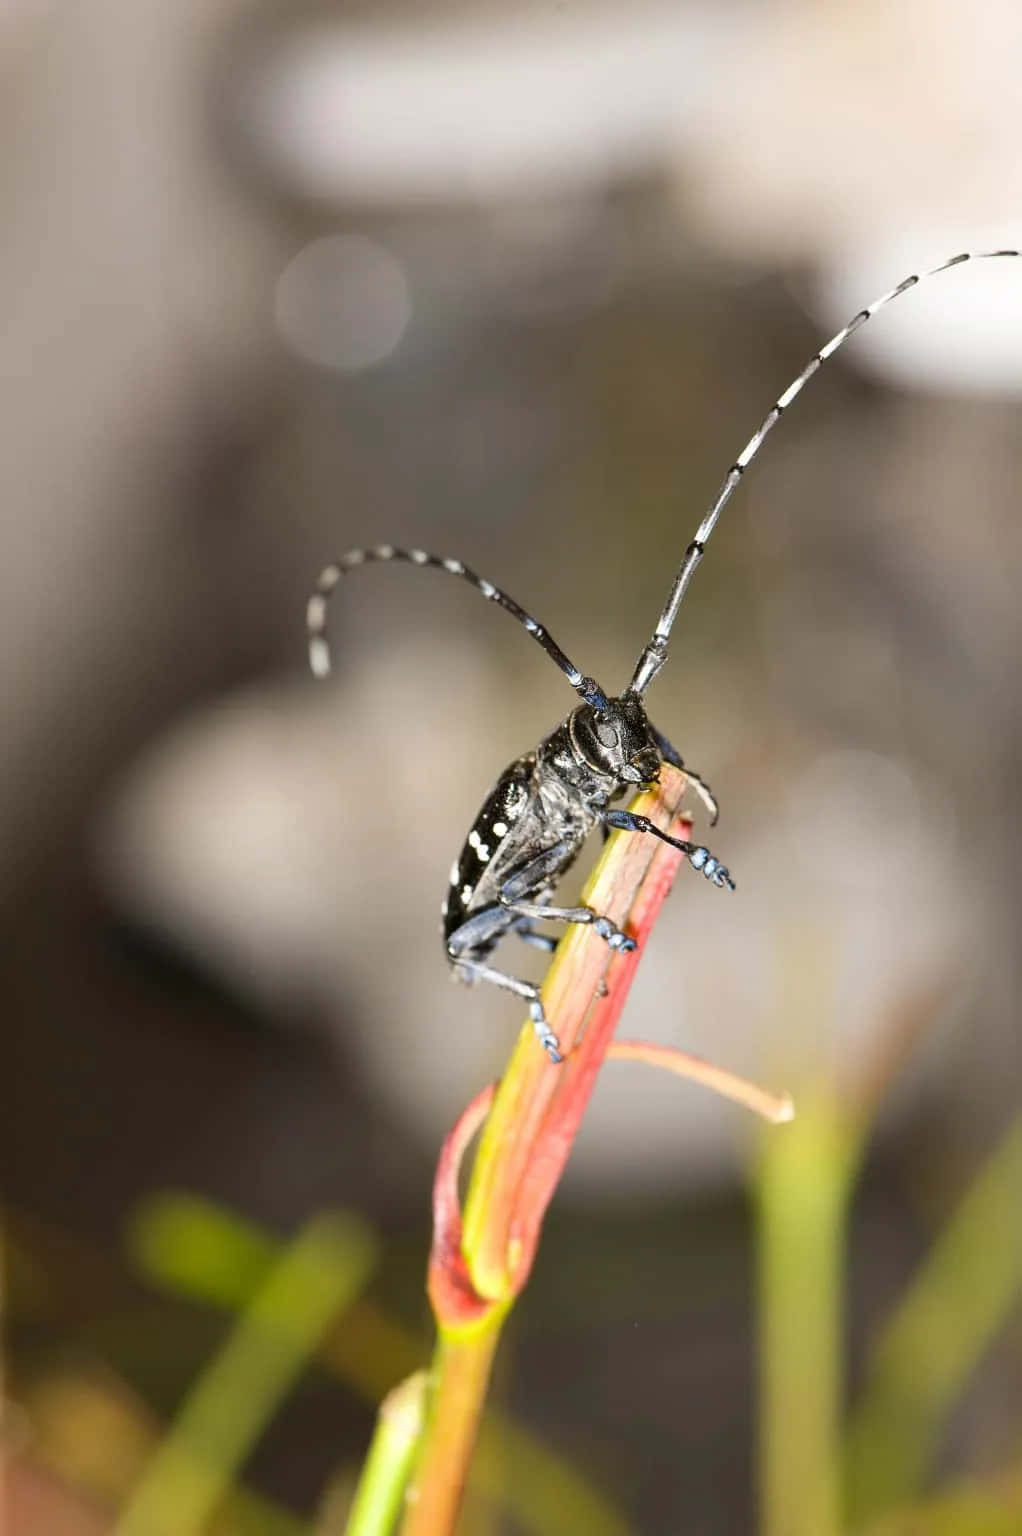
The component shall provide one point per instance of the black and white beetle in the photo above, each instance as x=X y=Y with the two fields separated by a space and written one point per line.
x=543 y=807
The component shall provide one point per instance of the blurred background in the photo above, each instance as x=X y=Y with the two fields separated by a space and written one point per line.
x=514 y=283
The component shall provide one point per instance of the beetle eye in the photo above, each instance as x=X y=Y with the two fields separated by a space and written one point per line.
x=606 y=735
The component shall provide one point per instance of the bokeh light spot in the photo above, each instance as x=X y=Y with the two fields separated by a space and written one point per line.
x=343 y=302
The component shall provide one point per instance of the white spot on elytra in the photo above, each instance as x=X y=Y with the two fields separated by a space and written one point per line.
x=484 y=852
x=454 y=566
x=419 y=556
x=466 y=893
x=455 y=873
x=384 y=551
x=500 y=829
x=487 y=589
x=473 y=838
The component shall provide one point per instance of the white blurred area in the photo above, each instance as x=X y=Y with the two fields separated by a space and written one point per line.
x=222 y=212
x=527 y=102
x=866 y=141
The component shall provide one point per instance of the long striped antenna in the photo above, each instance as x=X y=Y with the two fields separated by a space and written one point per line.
x=655 y=653
x=316 y=613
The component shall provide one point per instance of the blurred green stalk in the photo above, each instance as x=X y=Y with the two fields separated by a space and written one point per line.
x=965 y=1509
x=237 y=1394
x=195 y=1249
x=384 y=1477
x=944 y=1323
x=802 y=1191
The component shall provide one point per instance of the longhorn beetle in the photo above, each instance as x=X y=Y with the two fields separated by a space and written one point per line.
x=543 y=807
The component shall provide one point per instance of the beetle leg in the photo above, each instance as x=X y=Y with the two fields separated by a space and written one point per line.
x=516 y=892
x=475 y=970
x=539 y=872
x=670 y=754
x=602 y=925
x=705 y=794
x=528 y=935
x=480 y=931
x=700 y=858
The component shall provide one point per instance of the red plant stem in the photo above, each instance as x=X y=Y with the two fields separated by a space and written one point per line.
x=448 y=1284
x=775 y=1107
x=468 y=1328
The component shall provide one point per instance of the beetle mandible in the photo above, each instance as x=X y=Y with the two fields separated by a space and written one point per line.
x=533 y=824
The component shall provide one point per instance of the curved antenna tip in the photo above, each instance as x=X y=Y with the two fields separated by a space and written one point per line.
x=319 y=656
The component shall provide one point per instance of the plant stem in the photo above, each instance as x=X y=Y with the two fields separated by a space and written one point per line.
x=476 y=1275
x=963 y=1293
x=381 y=1487
x=478 y=1267
x=802 y=1195
x=459 y=1378
x=225 y=1411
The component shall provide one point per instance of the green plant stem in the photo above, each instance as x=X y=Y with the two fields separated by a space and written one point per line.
x=966 y=1508
x=961 y=1297
x=802 y=1195
x=193 y=1248
x=236 y=1395
x=381 y=1487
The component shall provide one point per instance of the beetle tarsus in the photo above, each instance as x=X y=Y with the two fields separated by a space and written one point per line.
x=544 y=1034
x=699 y=857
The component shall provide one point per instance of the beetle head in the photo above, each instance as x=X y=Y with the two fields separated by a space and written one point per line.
x=618 y=741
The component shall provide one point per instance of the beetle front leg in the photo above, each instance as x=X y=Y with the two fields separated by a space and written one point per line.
x=699 y=857
x=670 y=754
